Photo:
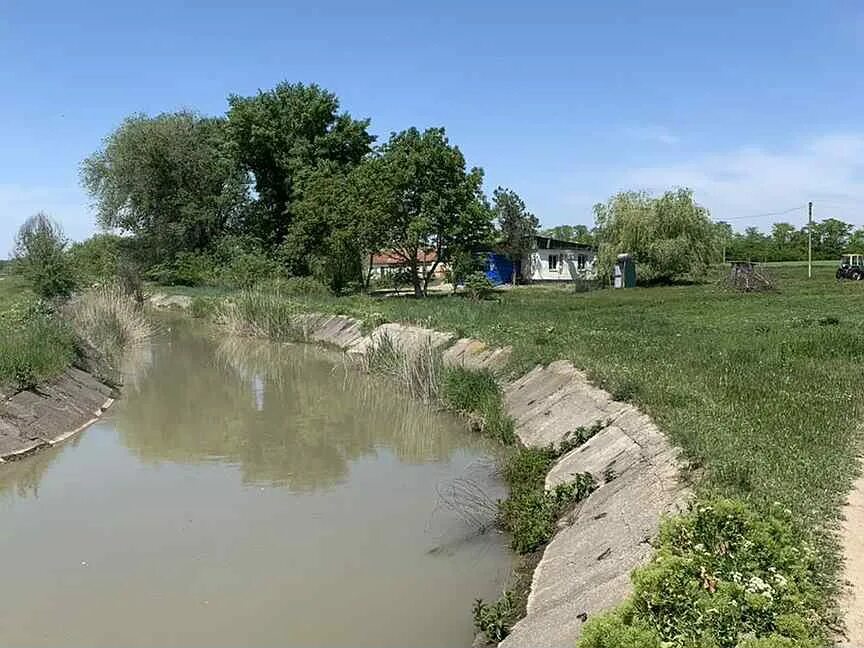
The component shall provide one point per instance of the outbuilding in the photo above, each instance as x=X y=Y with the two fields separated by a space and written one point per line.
x=548 y=260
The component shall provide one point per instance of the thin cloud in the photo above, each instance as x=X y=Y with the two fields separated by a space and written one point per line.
x=829 y=170
x=656 y=134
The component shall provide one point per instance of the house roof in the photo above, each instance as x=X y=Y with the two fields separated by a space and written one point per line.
x=545 y=243
x=391 y=258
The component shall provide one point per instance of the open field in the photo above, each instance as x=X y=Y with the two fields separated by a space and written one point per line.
x=13 y=288
x=761 y=390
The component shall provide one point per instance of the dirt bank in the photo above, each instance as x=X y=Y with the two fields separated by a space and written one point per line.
x=586 y=567
x=48 y=414
x=853 y=554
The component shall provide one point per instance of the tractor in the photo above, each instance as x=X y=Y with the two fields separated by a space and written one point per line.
x=851 y=267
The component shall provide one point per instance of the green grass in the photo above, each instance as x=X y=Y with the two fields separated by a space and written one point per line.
x=13 y=289
x=35 y=347
x=190 y=291
x=478 y=395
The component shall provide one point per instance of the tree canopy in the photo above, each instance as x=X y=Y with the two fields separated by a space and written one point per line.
x=283 y=137
x=40 y=250
x=670 y=235
x=169 y=180
x=418 y=187
x=574 y=233
x=516 y=225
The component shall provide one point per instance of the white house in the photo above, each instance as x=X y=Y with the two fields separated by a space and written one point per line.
x=557 y=260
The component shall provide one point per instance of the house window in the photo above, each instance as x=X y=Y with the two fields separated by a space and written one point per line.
x=553 y=261
x=580 y=261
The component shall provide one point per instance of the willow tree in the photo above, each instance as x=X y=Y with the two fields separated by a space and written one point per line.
x=670 y=236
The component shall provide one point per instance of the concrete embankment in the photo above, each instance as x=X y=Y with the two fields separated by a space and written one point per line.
x=586 y=567
x=46 y=415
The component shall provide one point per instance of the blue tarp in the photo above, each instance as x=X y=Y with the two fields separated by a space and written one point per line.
x=498 y=268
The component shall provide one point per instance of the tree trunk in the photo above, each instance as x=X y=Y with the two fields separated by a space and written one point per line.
x=415 y=278
x=368 y=280
x=428 y=276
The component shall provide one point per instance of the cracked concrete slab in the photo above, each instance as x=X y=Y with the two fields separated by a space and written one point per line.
x=31 y=419
x=586 y=567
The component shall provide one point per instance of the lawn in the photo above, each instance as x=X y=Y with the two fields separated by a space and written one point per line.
x=761 y=390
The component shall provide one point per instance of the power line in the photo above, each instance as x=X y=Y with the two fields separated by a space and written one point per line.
x=766 y=214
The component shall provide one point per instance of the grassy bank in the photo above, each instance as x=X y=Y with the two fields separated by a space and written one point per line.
x=40 y=340
x=34 y=345
x=760 y=390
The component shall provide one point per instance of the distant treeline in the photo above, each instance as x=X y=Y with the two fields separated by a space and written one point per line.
x=785 y=242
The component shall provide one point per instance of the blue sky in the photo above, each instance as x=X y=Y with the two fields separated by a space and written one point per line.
x=756 y=106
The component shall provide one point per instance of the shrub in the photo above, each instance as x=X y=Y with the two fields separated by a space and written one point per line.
x=724 y=576
x=478 y=286
x=40 y=250
x=619 y=629
x=248 y=268
x=478 y=395
x=96 y=260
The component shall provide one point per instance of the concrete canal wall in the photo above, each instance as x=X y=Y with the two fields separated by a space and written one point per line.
x=48 y=414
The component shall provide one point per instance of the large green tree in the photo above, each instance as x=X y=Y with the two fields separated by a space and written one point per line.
x=516 y=225
x=286 y=138
x=169 y=180
x=336 y=227
x=670 y=235
x=417 y=189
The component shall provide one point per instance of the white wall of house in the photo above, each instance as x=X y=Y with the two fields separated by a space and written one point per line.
x=558 y=264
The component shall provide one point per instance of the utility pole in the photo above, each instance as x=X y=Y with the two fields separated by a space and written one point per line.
x=810 y=240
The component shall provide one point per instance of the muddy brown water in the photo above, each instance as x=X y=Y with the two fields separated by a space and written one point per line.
x=248 y=494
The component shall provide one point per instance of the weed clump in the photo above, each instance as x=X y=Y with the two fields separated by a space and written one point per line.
x=417 y=370
x=264 y=314
x=531 y=512
x=478 y=395
x=495 y=619
x=724 y=576
x=108 y=320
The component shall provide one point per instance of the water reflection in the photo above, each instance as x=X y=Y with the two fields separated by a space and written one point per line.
x=287 y=415
x=148 y=514
x=21 y=478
